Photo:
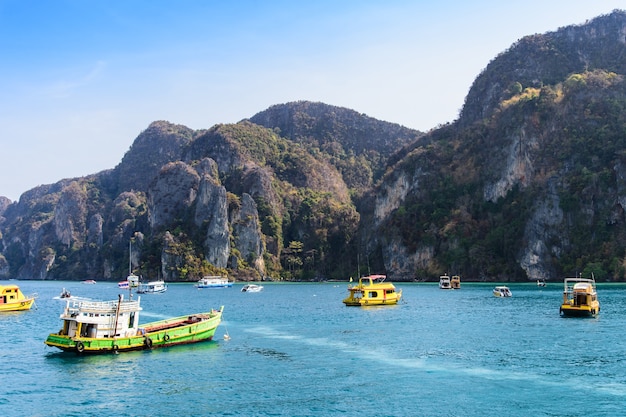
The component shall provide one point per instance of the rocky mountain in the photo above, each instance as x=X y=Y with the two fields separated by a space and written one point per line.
x=357 y=145
x=529 y=183
x=237 y=199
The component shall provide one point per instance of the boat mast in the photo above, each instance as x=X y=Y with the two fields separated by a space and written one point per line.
x=117 y=314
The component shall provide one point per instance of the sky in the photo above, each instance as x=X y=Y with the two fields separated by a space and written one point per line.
x=81 y=79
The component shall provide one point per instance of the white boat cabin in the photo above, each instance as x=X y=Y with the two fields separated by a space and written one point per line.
x=101 y=319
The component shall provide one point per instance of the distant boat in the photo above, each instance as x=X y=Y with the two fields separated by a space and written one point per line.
x=113 y=326
x=541 y=282
x=580 y=298
x=214 y=281
x=152 y=287
x=65 y=294
x=444 y=282
x=502 y=291
x=132 y=280
x=372 y=290
x=455 y=282
x=12 y=299
x=89 y=281
x=251 y=288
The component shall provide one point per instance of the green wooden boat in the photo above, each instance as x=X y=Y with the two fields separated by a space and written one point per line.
x=113 y=326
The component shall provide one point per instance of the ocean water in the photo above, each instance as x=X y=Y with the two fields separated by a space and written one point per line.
x=296 y=350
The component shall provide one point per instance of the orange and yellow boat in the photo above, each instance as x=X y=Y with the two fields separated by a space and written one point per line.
x=12 y=298
x=580 y=298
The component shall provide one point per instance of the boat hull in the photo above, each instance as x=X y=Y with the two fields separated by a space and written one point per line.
x=579 y=311
x=230 y=284
x=170 y=332
x=369 y=302
x=21 y=305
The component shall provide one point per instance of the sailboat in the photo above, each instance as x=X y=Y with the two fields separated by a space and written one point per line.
x=131 y=278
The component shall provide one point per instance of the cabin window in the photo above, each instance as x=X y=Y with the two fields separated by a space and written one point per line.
x=131 y=320
x=373 y=294
x=390 y=291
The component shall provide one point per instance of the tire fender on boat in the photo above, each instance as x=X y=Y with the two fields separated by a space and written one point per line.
x=115 y=348
x=166 y=337
x=148 y=342
x=80 y=348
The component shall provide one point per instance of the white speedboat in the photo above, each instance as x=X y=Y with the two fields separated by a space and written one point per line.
x=444 y=282
x=502 y=291
x=251 y=288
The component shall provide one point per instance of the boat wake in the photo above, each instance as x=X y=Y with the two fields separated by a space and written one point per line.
x=387 y=358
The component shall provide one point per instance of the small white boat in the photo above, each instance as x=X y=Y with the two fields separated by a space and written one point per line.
x=152 y=287
x=502 y=291
x=541 y=282
x=89 y=281
x=214 y=281
x=65 y=294
x=251 y=288
x=444 y=282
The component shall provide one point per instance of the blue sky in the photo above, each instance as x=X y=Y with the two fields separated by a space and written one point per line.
x=80 y=79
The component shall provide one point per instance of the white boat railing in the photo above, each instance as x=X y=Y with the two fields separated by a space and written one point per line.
x=75 y=306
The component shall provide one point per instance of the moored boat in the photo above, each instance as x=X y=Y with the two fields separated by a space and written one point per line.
x=65 y=294
x=113 y=326
x=13 y=299
x=152 y=287
x=455 y=282
x=89 y=281
x=502 y=291
x=372 y=290
x=541 y=282
x=444 y=282
x=214 y=281
x=251 y=288
x=580 y=298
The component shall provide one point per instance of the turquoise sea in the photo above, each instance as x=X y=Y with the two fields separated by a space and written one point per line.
x=296 y=350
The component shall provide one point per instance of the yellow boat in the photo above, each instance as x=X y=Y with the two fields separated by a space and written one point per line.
x=12 y=299
x=580 y=298
x=371 y=291
x=455 y=282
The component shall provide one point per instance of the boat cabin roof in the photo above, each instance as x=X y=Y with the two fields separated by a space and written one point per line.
x=583 y=287
x=9 y=288
x=579 y=284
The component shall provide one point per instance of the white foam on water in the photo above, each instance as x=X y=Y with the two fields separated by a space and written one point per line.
x=383 y=357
